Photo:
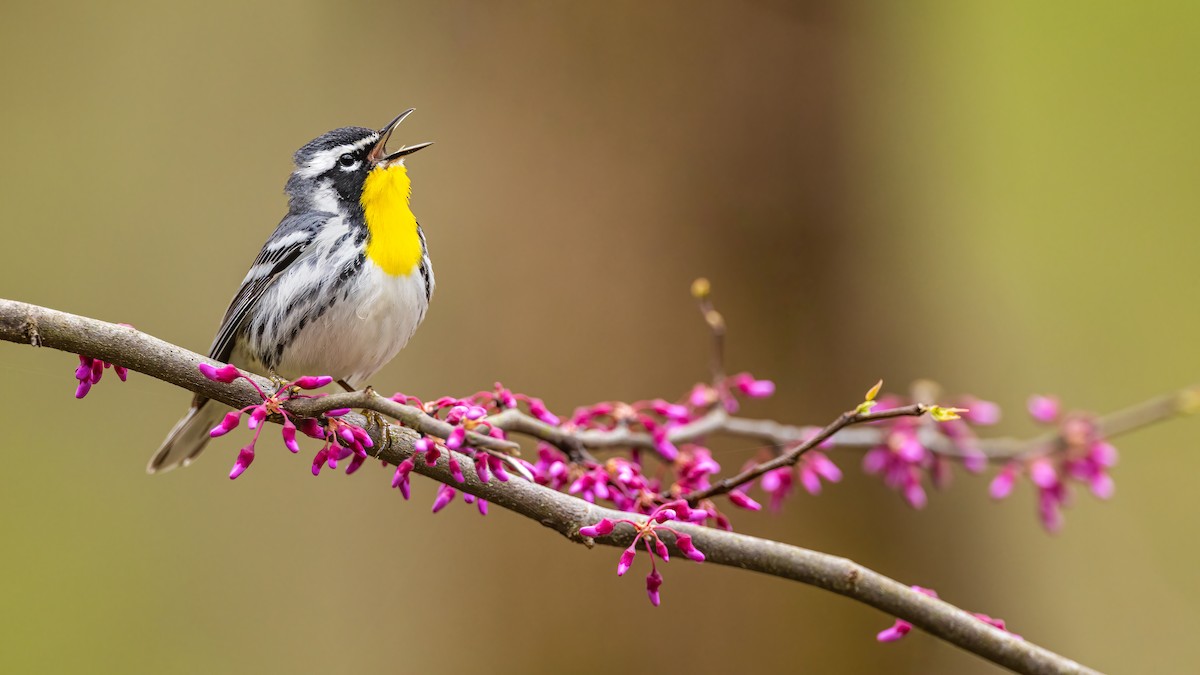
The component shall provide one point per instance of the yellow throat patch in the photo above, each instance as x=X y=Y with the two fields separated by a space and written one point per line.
x=393 y=243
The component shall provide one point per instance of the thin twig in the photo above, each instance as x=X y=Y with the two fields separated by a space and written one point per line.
x=701 y=290
x=410 y=416
x=515 y=421
x=717 y=421
x=792 y=456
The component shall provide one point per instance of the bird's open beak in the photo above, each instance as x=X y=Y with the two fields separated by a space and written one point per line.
x=379 y=154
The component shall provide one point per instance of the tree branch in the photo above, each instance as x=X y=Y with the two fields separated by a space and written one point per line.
x=123 y=346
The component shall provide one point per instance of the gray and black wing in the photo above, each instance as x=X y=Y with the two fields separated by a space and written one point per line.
x=295 y=234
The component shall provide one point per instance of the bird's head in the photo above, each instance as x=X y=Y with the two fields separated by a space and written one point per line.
x=335 y=166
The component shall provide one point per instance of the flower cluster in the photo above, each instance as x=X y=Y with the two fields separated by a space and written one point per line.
x=905 y=457
x=90 y=371
x=639 y=483
x=901 y=627
x=1080 y=453
x=341 y=440
x=910 y=455
x=812 y=468
x=468 y=414
x=666 y=467
x=621 y=481
x=426 y=449
x=646 y=533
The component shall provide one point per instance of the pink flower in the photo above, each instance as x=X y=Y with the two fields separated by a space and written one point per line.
x=901 y=627
x=319 y=461
x=814 y=466
x=225 y=374
x=1050 y=503
x=257 y=414
x=1042 y=473
x=979 y=411
x=742 y=500
x=778 y=484
x=653 y=583
x=895 y=631
x=91 y=370
x=228 y=423
x=481 y=468
x=244 y=458
x=457 y=437
x=1092 y=468
x=1044 y=409
x=694 y=466
x=445 y=495
x=626 y=560
x=591 y=485
x=684 y=543
x=745 y=383
x=600 y=529
x=551 y=467
x=673 y=412
x=900 y=461
x=538 y=409
x=289 y=435
x=1002 y=484
x=663 y=444
x=355 y=463
x=702 y=396
x=400 y=479
x=497 y=466
x=504 y=397
x=455 y=469
x=425 y=446
x=312 y=382
x=310 y=427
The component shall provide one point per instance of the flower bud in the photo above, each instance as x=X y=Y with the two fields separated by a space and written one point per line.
x=602 y=528
x=226 y=373
x=626 y=561
x=312 y=381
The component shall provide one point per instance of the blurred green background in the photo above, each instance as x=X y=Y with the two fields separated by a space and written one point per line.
x=998 y=196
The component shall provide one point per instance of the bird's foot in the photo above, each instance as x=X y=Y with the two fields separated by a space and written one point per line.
x=373 y=417
x=277 y=381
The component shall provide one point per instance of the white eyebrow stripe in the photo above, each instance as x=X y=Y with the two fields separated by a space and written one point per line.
x=324 y=160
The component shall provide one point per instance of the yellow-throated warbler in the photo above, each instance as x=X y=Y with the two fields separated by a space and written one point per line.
x=339 y=287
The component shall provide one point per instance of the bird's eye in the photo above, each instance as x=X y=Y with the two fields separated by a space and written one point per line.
x=347 y=160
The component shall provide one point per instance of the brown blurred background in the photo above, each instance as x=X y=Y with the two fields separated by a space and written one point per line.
x=1000 y=197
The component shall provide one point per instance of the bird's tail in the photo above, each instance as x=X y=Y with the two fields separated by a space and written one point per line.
x=187 y=438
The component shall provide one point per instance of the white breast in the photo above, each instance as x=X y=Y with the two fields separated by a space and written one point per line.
x=351 y=329
x=361 y=332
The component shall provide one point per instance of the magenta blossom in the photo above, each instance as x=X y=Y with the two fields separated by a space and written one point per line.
x=747 y=385
x=91 y=370
x=647 y=533
x=1083 y=456
x=1044 y=409
x=341 y=440
x=445 y=495
x=815 y=465
x=900 y=460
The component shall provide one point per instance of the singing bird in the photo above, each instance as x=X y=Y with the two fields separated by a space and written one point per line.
x=340 y=286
